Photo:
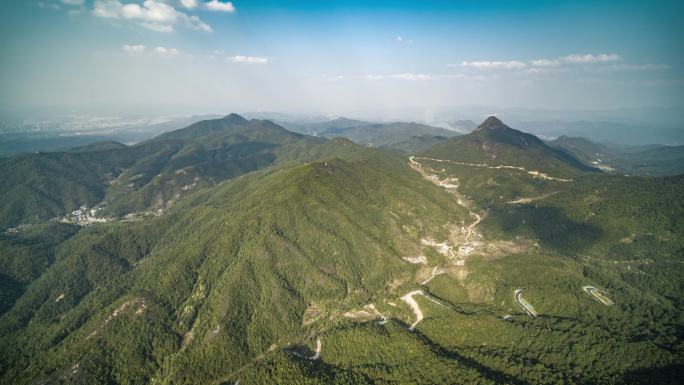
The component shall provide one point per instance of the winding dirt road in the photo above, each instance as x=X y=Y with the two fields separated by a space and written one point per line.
x=533 y=173
x=597 y=295
x=532 y=199
x=478 y=219
x=408 y=298
x=434 y=274
x=317 y=353
x=526 y=305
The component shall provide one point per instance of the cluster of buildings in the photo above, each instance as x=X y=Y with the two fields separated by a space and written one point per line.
x=83 y=217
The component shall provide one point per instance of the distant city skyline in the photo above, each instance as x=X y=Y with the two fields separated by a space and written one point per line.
x=339 y=57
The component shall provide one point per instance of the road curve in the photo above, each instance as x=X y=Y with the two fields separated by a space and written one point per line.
x=526 y=305
x=598 y=295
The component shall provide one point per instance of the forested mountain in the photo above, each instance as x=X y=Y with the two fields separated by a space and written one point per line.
x=495 y=144
x=121 y=179
x=314 y=261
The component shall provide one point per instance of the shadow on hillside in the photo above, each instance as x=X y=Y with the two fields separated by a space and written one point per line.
x=300 y=351
x=10 y=291
x=311 y=371
x=494 y=375
x=553 y=228
x=664 y=375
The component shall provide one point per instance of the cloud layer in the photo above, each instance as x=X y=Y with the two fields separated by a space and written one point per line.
x=189 y=4
x=216 y=5
x=138 y=49
x=249 y=59
x=513 y=64
x=151 y=14
x=537 y=64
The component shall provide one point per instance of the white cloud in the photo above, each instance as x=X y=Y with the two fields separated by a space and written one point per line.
x=634 y=67
x=401 y=76
x=545 y=63
x=166 y=51
x=513 y=64
x=403 y=40
x=151 y=14
x=410 y=76
x=216 y=5
x=73 y=2
x=139 y=48
x=576 y=59
x=189 y=4
x=428 y=77
x=249 y=59
x=591 y=59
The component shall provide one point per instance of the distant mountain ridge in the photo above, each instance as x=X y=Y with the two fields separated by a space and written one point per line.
x=463 y=125
x=392 y=135
x=645 y=160
x=149 y=176
x=15 y=143
x=416 y=143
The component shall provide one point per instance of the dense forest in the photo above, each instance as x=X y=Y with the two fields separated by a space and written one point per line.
x=325 y=262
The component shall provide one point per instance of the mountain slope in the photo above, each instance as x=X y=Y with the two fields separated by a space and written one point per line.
x=229 y=271
x=152 y=175
x=495 y=144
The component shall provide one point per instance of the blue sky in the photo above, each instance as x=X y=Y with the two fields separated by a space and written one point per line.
x=339 y=57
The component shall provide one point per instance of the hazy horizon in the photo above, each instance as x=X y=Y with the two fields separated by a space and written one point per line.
x=337 y=58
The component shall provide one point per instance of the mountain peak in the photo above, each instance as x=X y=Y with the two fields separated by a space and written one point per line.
x=491 y=123
x=235 y=118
